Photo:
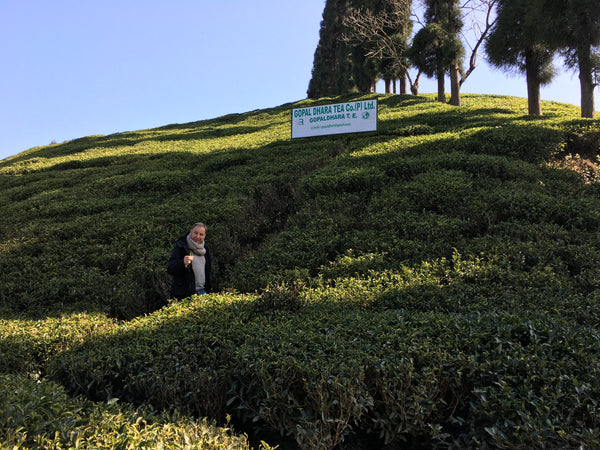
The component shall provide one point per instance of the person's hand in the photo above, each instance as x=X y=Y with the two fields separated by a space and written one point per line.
x=187 y=260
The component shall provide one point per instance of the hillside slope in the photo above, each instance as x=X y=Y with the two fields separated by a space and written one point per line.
x=435 y=283
x=91 y=222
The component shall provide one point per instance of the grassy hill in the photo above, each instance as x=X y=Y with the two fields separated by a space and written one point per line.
x=435 y=283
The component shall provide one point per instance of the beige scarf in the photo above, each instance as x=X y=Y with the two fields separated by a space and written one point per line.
x=197 y=248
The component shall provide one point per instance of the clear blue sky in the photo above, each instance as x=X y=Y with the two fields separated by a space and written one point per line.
x=74 y=68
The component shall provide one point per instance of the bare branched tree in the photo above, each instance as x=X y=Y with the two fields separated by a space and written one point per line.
x=479 y=18
x=383 y=33
x=377 y=30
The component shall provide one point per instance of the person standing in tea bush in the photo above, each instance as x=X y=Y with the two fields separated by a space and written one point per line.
x=190 y=264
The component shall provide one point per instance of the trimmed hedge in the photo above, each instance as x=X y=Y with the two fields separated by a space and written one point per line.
x=39 y=414
x=326 y=374
x=26 y=345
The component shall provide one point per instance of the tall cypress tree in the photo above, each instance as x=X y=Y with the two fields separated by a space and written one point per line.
x=515 y=42
x=331 y=73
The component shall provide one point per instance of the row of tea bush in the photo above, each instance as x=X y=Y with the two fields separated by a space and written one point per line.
x=324 y=372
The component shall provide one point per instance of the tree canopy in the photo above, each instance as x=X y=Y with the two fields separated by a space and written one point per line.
x=515 y=43
x=362 y=41
x=573 y=28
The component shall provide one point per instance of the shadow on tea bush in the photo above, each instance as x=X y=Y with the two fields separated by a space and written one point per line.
x=39 y=414
x=283 y=296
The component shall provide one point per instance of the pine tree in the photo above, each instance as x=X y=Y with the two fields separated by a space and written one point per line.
x=573 y=27
x=437 y=48
x=515 y=42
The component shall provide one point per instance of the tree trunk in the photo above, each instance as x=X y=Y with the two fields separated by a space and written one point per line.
x=414 y=89
x=454 y=70
x=388 y=86
x=441 y=86
x=402 y=82
x=586 y=82
x=587 y=98
x=455 y=86
x=533 y=87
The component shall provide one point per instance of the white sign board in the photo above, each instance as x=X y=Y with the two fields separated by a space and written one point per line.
x=352 y=117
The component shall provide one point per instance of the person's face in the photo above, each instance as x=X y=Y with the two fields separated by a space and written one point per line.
x=198 y=234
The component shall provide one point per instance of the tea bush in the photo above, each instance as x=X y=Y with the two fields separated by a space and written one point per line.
x=435 y=283
x=82 y=209
x=40 y=415
x=329 y=372
x=26 y=345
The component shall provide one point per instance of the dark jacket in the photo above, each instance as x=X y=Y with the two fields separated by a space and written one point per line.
x=184 y=281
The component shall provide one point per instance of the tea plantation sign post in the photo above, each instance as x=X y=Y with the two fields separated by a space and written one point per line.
x=338 y=118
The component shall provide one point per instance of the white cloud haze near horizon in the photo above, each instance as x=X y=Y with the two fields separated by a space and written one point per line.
x=74 y=69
